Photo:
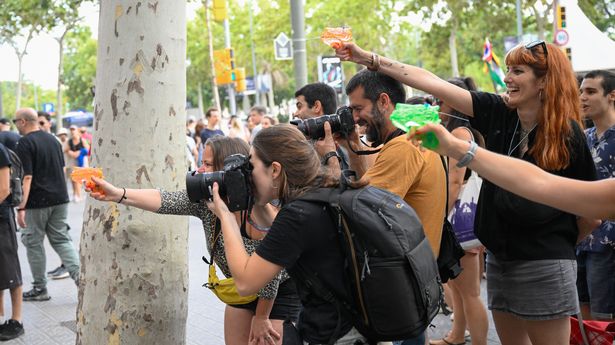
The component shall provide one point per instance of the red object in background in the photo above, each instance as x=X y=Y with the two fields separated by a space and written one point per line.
x=598 y=332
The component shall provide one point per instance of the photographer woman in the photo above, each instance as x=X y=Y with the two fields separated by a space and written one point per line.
x=538 y=121
x=285 y=166
x=256 y=322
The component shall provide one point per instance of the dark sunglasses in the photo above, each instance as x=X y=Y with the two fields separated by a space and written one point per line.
x=15 y=120
x=41 y=123
x=534 y=44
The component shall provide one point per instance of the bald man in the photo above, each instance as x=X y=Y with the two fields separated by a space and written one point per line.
x=44 y=207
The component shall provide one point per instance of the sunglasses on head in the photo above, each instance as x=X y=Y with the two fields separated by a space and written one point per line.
x=535 y=44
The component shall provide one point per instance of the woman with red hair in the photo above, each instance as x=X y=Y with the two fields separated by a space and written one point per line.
x=531 y=267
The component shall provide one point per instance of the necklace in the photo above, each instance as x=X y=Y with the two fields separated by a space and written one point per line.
x=512 y=149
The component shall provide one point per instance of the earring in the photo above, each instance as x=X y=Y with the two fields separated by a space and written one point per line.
x=274 y=186
x=540 y=95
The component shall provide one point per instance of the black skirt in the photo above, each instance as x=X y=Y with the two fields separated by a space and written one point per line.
x=10 y=271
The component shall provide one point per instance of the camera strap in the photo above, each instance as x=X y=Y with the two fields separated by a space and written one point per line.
x=390 y=137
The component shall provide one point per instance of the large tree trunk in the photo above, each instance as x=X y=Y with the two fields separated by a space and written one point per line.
x=452 y=45
x=134 y=277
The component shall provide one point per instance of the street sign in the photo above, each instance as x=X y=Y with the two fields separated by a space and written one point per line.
x=561 y=37
x=49 y=107
x=330 y=72
x=283 y=47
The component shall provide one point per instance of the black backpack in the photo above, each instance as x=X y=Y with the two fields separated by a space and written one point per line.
x=391 y=267
x=16 y=179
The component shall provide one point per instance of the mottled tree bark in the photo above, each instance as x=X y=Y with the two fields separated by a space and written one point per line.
x=134 y=276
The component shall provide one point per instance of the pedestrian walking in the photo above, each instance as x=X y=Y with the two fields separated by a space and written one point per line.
x=44 y=207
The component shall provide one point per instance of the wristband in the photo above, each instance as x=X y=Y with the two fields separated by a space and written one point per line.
x=328 y=155
x=123 y=197
x=20 y=209
x=375 y=66
x=467 y=158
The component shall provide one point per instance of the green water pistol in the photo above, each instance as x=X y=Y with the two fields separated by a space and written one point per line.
x=409 y=116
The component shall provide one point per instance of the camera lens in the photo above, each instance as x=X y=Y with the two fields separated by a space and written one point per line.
x=197 y=185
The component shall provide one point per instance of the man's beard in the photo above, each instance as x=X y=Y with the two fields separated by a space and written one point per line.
x=375 y=128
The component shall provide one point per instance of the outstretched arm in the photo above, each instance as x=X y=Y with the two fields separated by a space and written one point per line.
x=146 y=199
x=594 y=199
x=412 y=76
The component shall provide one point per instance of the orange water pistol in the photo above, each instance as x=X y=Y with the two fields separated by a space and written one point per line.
x=85 y=174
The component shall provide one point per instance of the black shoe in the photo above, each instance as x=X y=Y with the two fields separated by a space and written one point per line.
x=11 y=329
x=36 y=294
x=56 y=270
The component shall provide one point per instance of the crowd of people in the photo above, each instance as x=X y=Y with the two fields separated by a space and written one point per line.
x=541 y=223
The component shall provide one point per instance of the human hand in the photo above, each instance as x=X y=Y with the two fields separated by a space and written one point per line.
x=102 y=190
x=448 y=144
x=21 y=219
x=348 y=51
x=262 y=332
x=216 y=204
x=326 y=144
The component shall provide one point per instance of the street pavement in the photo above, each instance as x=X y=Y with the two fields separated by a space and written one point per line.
x=53 y=322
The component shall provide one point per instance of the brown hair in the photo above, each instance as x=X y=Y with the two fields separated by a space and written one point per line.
x=301 y=169
x=560 y=103
x=223 y=147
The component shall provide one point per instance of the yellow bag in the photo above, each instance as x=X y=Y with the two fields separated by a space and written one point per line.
x=224 y=289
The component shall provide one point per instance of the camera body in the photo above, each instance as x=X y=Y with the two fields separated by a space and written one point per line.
x=341 y=122
x=234 y=183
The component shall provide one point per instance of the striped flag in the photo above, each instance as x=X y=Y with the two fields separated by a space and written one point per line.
x=492 y=66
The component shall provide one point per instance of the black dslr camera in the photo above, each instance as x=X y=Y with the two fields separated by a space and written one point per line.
x=341 y=122
x=233 y=182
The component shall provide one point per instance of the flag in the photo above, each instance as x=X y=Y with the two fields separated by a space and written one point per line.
x=492 y=65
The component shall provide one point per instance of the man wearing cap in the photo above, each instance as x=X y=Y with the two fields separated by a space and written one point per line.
x=44 y=207
x=7 y=137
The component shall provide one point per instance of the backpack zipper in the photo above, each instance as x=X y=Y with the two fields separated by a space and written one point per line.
x=355 y=267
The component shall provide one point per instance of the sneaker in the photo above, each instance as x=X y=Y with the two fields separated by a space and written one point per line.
x=54 y=271
x=60 y=273
x=11 y=329
x=36 y=294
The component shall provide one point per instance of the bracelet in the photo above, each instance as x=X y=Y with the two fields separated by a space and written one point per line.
x=20 y=209
x=467 y=158
x=123 y=196
x=375 y=65
x=328 y=155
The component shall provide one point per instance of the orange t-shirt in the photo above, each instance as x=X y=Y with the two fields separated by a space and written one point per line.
x=417 y=177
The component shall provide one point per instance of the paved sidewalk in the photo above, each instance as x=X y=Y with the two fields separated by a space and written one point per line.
x=53 y=322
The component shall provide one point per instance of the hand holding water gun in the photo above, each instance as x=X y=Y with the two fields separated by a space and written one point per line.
x=410 y=117
x=85 y=174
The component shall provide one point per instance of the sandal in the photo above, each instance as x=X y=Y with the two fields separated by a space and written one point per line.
x=443 y=341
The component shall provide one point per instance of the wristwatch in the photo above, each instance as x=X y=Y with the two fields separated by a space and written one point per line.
x=328 y=155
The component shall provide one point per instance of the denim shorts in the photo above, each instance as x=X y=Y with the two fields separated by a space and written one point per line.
x=596 y=282
x=532 y=289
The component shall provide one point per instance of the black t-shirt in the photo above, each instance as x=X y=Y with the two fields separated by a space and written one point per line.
x=9 y=139
x=512 y=227
x=303 y=233
x=5 y=161
x=42 y=157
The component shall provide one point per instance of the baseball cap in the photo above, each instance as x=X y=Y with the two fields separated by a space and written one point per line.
x=63 y=131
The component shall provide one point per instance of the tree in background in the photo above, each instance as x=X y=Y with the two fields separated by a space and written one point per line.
x=601 y=13
x=21 y=21
x=134 y=277
x=79 y=68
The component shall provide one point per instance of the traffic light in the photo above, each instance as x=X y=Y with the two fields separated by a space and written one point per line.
x=240 y=79
x=220 y=10
x=561 y=17
x=224 y=64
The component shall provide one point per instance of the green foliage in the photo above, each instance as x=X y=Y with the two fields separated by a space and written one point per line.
x=28 y=98
x=19 y=18
x=601 y=13
x=79 y=70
